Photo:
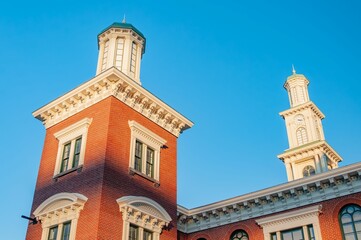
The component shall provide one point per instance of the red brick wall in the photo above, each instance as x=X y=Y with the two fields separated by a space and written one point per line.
x=105 y=176
x=117 y=180
x=330 y=227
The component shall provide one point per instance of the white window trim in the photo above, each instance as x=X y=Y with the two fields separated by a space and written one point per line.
x=289 y=220
x=147 y=137
x=144 y=213
x=59 y=209
x=68 y=134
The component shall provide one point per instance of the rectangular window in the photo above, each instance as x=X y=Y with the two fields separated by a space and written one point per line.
x=293 y=234
x=147 y=235
x=66 y=231
x=311 y=232
x=53 y=232
x=119 y=53
x=273 y=236
x=144 y=158
x=138 y=156
x=145 y=149
x=150 y=162
x=77 y=152
x=133 y=232
x=105 y=55
x=64 y=228
x=296 y=233
x=71 y=147
x=71 y=154
x=133 y=57
x=65 y=158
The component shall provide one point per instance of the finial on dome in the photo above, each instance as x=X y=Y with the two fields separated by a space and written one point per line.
x=124 y=20
x=293 y=69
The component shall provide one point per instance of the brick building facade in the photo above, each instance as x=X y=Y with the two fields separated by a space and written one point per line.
x=108 y=167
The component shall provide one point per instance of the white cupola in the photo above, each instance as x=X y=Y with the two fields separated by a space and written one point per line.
x=121 y=45
x=297 y=88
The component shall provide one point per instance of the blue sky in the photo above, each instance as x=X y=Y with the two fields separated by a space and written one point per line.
x=220 y=63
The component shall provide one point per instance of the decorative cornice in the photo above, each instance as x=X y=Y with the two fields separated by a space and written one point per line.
x=301 y=107
x=146 y=133
x=309 y=150
x=60 y=207
x=289 y=216
x=78 y=126
x=144 y=212
x=295 y=78
x=301 y=192
x=113 y=82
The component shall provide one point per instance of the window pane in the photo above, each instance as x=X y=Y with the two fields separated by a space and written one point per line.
x=147 y=235
x=357 y=226
x=138 y=156
x=350 y=237
x=348 y=228
x=293 y=234
x=150 y=162
x=287 y=236
x=346 y=218
x=357 y=216
x=65 y=158
x=311 y=233
x=77 y=152
x=133 y=57
x=105 y=55
x=133 y=232
x=53 y=232
x=273 y=236
x=239 y=235
x=66 y=231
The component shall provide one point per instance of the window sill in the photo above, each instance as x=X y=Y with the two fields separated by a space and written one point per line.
x=133 y=172
x=78 y=169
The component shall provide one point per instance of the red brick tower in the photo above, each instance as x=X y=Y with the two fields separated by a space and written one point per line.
x=108 y=167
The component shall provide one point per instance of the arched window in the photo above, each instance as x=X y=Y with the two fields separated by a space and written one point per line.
x=350 y=222
x=308 y=171
x=239 y=235
x=59 y=215
x=301 y=135
x=143 y=218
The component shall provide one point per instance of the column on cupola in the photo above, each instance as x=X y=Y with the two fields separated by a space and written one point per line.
x=294 y=173
x=126 y=55
x=318 y=163
x=100 y=57
x=289 y=171
x=138 y=61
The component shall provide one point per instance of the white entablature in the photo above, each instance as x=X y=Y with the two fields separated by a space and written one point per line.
x=292 y=195
x=113 y=82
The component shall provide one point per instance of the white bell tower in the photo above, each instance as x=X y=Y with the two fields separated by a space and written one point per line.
x=308 y=152
x=121 y=45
